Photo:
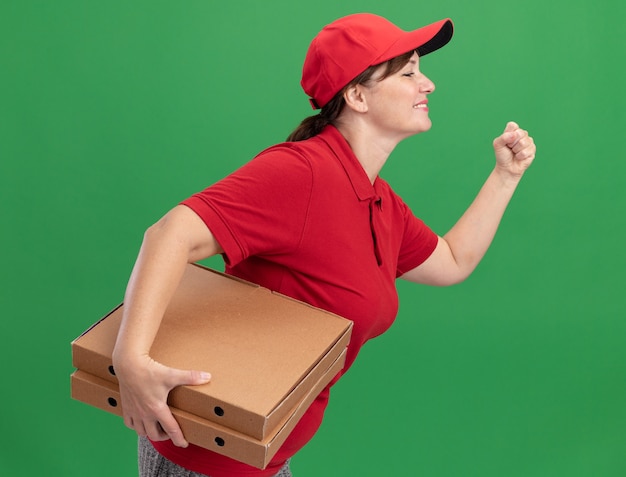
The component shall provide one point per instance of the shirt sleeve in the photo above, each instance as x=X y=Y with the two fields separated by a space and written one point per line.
x=418 y=243
x=261 y=208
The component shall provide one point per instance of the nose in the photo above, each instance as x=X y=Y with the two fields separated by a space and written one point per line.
x=426 y=85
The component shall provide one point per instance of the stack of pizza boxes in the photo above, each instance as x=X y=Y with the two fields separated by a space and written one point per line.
x=269 y=357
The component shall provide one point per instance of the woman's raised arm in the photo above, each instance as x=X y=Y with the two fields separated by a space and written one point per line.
x=463 y=247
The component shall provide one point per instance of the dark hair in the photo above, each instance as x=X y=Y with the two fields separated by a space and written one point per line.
x=313 y=125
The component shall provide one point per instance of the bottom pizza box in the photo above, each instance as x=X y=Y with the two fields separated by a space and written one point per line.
x=105 y=395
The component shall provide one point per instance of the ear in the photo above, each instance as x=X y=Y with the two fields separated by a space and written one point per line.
x=355 y=98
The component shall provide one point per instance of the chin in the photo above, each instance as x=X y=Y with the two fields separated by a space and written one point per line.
x=423 y=127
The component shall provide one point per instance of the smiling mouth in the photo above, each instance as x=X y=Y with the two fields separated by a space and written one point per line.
x=421 y=106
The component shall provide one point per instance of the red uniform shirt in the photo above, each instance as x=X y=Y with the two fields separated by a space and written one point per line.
x=303 y=219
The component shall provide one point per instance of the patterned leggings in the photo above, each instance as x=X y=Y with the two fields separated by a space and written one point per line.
x=153 y=464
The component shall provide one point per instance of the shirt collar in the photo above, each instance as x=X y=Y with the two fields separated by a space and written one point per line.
x=361 y=184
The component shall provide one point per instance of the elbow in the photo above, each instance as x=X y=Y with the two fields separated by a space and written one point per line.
x=155 y=229
x=462 y=272
x=450 y=280
x=461 y=268
x=154 y=234
x=165 y=234
x=458 y=279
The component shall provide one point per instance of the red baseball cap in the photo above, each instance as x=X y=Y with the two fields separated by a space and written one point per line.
x=348 y=46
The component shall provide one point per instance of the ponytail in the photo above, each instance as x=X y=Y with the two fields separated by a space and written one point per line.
x=313 y=125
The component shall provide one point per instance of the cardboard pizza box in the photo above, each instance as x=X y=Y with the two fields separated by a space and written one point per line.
x=264 y=351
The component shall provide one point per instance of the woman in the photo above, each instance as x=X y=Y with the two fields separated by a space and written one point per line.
x=311 y=219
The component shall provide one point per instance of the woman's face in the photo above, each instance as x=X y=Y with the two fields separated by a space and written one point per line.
x=398 y=105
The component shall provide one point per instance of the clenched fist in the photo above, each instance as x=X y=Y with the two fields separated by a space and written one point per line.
x=515 y=150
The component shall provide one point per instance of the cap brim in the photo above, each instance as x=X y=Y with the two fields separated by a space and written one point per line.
x=425 y=40
x=443 y=34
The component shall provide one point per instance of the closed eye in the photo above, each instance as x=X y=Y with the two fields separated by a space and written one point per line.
x=408 y=75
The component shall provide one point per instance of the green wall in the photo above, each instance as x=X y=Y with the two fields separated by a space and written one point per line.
x=111 y=112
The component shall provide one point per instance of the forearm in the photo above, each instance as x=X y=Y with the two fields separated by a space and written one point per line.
x=168 y=246
x=472 y=235
x=155 y=276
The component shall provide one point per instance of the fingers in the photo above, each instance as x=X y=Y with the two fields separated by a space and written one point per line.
x=166 y=428
x=154 y=431
x=511 y=126
x=514 y=138
x=523 y=146
x=172 y=430
x=508 y=138
x=158 y=427
x=135 y=424
x=519 y=139
x=144 y=401
x=514 y=149
x=179 y=377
